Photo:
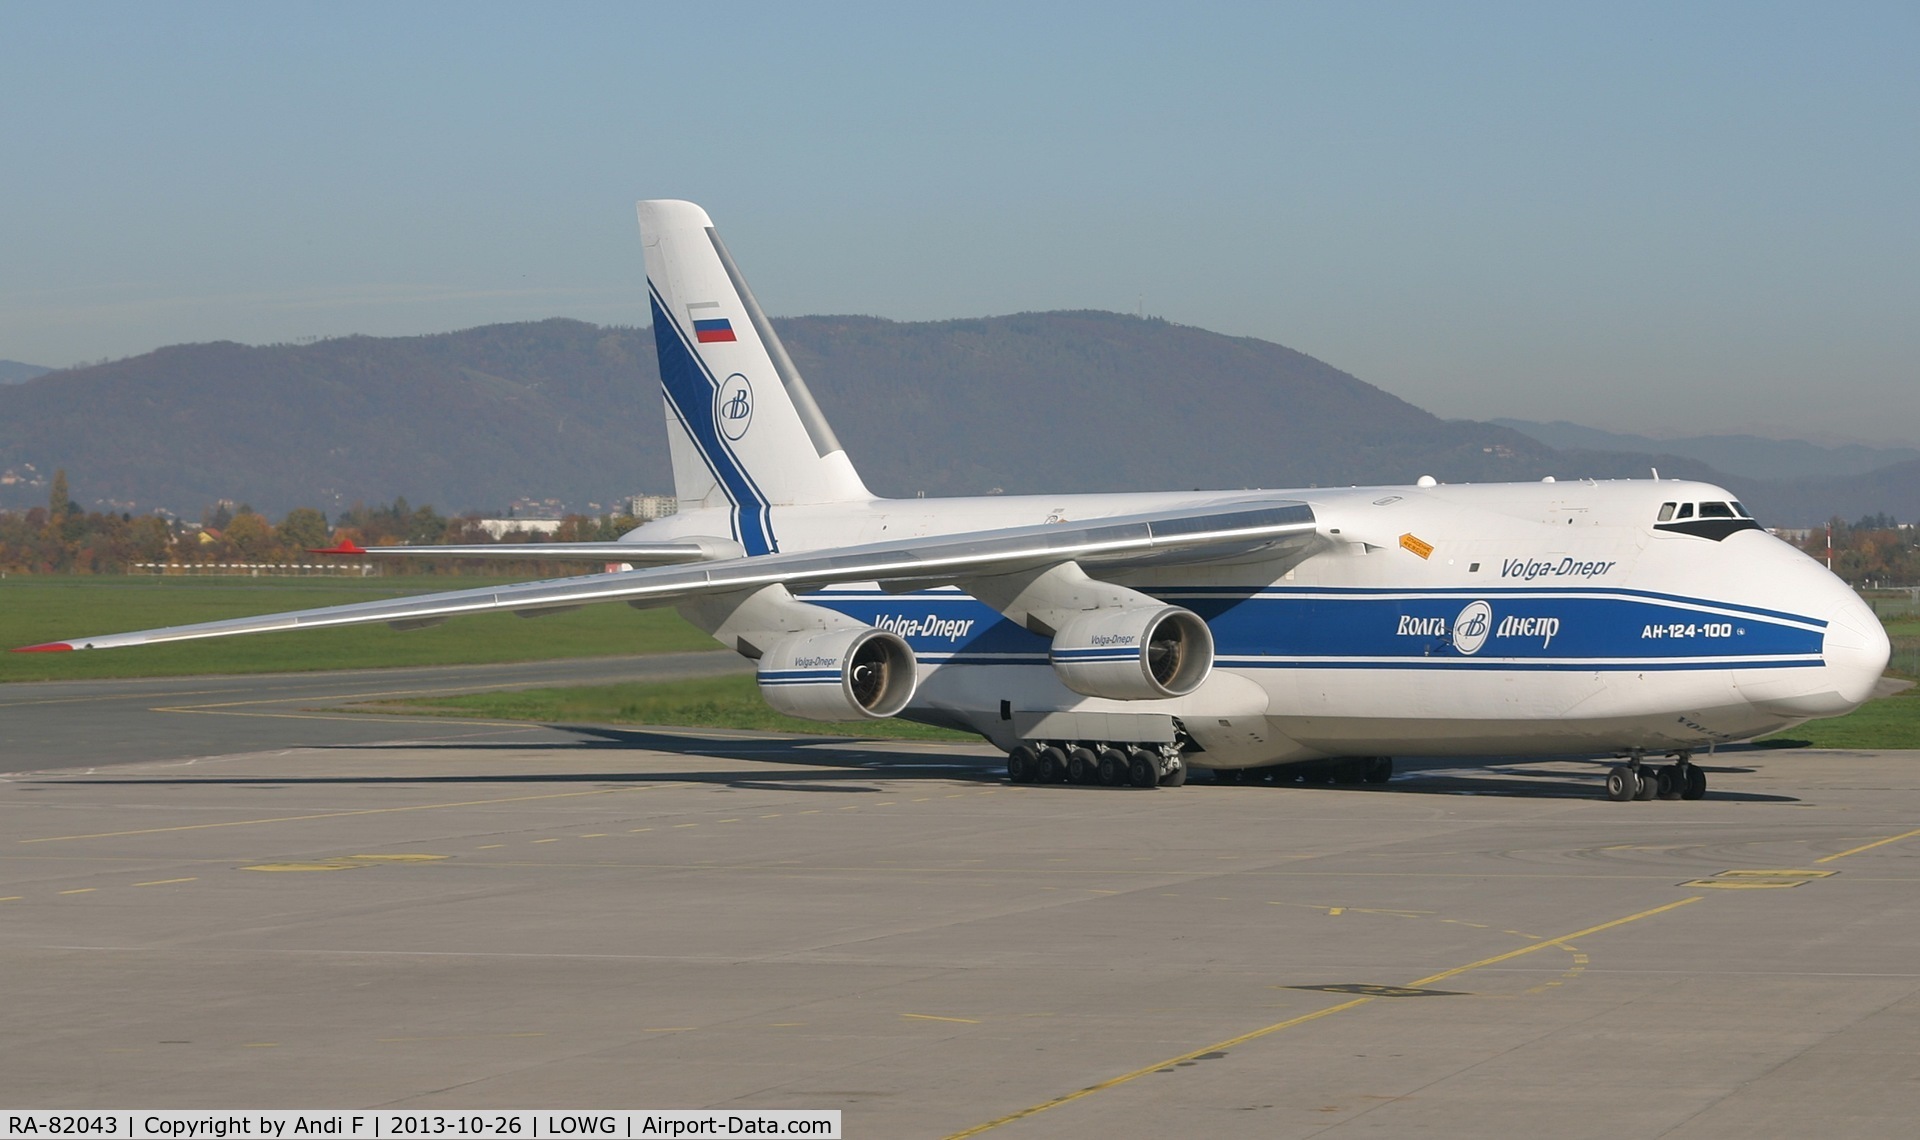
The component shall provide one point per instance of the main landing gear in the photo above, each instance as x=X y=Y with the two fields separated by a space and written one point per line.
x=1635 y=780
x=1108 y=765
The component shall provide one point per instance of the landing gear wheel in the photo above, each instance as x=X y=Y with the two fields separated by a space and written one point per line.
x=1696 y=784
x=1649 y=784
x=1052 y=766
x=1673 y=783
x=1113 y=768
x=1379 y=769
x=1143 y=768
x=1083 y=767
x=1023 y=764
x=1622 y=784
x=1177 y=777
x=1349 y=770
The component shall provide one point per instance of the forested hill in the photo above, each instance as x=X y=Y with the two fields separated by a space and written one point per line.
x=562 y=409
x=14 y=372
x=1083 y=401
x=1066 y=401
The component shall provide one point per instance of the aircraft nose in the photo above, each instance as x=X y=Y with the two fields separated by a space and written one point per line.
x=1853 y=655
x=1856 y=650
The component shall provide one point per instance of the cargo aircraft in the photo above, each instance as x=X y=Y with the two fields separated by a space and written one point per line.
x=1119 y=639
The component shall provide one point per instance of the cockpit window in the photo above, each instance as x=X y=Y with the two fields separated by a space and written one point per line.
x=1716 y=521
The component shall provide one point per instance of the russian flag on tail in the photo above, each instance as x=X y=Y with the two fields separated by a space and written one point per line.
x=714 y=331
x=707 y=328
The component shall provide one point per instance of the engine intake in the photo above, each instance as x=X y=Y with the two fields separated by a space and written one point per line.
x=846 y=674
x=1134 y=653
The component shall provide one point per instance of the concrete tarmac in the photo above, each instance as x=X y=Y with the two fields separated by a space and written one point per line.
x=418 y=913
x=65 y=724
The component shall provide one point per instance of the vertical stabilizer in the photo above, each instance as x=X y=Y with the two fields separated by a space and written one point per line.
x=744 y=430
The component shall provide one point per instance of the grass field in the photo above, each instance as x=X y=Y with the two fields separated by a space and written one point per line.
x=1893 y=722
x=41 y=609
x=715 y=702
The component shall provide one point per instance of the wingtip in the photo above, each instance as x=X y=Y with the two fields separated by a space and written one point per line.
x=49 y=647
x=345 y=546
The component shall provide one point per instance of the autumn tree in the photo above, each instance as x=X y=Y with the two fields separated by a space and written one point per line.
x=249 y=534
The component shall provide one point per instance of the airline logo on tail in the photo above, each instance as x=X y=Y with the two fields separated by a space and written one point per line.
x=733 y=406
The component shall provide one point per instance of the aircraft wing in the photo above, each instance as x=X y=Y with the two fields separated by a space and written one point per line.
x=1209 y=532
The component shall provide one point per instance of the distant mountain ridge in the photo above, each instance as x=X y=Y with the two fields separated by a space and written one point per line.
x=1747 y=456
x=14 y=372
x=1031 y=402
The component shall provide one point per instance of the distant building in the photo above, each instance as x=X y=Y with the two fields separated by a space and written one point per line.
x=646 y=508
x=537 y=508
x=500 y=528
x=1790 y=533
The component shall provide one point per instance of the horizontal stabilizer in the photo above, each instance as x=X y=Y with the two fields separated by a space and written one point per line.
x=637 y=553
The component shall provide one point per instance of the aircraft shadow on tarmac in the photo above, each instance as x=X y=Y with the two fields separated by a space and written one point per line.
x=1515 y=778
x=840 y=771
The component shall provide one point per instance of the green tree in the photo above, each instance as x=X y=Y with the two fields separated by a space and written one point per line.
x=60 y=502
x=303 y=529
x=424 y=527
x=150 y=539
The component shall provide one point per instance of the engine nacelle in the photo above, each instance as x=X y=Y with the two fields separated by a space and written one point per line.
x=1133 y=653
x=841 y=674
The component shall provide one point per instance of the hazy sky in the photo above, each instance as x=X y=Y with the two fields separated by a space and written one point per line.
x=1663 y=217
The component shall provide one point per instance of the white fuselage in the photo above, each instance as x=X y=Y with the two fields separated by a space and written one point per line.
x=1495 y=619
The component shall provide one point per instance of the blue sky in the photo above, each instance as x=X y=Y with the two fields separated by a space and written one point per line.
x=1668 y=218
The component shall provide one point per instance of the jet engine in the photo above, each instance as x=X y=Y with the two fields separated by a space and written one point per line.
x=840 y=674
x=1133 y=653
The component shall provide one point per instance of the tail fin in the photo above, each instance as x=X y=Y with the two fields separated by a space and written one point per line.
x=744 y=430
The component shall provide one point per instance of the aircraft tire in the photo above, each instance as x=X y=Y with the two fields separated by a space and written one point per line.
x=1696 y=784
x=1175 y=778
x=1083 y=767
x=1052 y=766
x=1113 y=768
x=1379 y=769
x=1673 y=783
x=1143 y=769
x=1622 y=784
x=1351 y=770
x=1649 y=784
x=1023 y=764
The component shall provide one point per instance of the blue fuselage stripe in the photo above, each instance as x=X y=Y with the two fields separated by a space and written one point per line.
x=1521 y=630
